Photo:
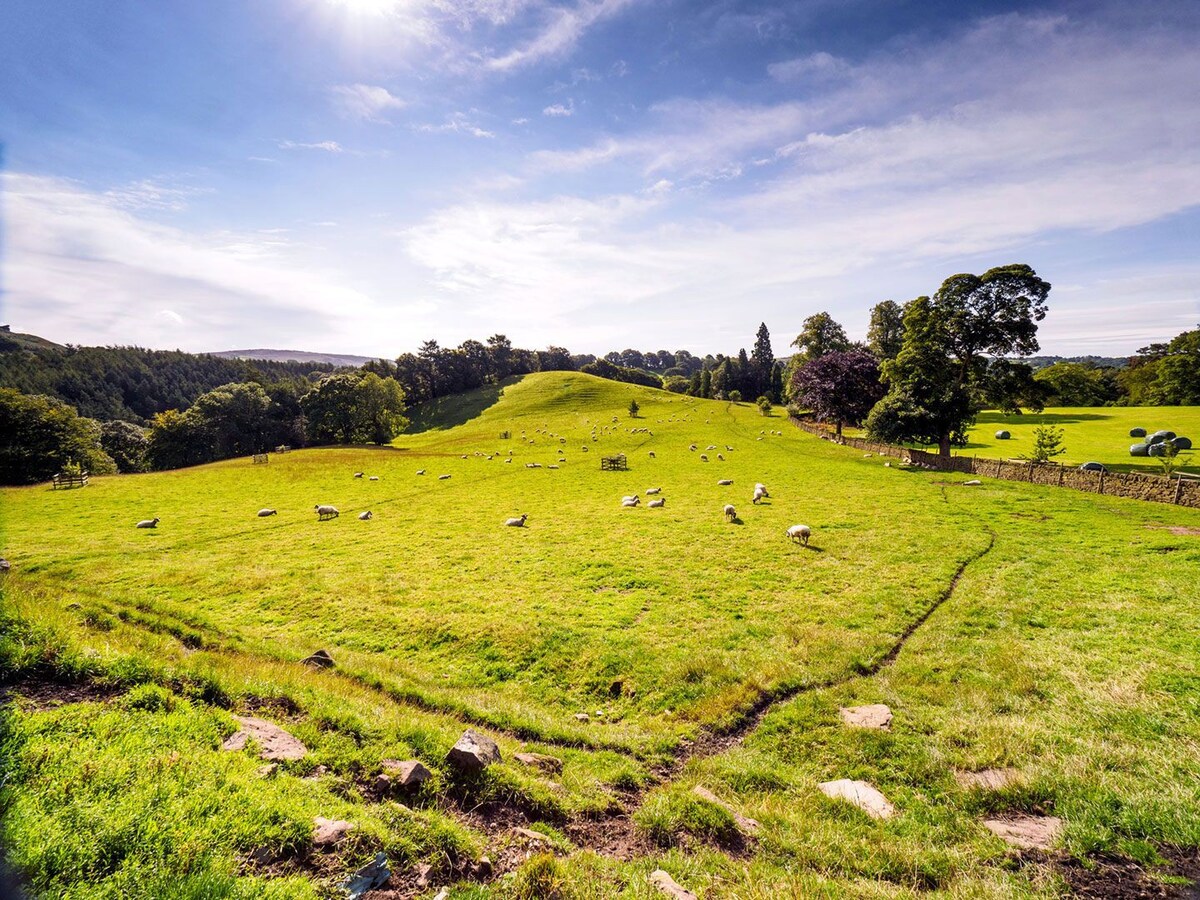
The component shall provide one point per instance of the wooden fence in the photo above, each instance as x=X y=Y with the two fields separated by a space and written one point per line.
x=1180 y=490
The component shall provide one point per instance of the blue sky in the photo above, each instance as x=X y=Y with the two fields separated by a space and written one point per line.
x=362 y=175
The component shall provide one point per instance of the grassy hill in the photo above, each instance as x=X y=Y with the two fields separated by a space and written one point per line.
x=699 y=651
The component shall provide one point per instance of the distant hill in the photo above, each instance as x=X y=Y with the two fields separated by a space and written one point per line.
x=1100 y=362
x=15 y=340
x=303 y=356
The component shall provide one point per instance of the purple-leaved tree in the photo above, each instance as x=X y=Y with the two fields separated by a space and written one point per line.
x=839 y=387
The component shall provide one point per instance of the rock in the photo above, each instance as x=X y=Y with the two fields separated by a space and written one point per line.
x=374 y=874
x=5 y=565
x=972 y=482
x=483 y=868
x=473 y=753
x=861 y=794
x=582 y=717
x=669 y=886
x=538 y=761
x=408 y=773
x=988 y=779
x=382 y=783
x=876 y=715
x=327 y=832
x=1025 y=831
x=319 y=660
x=276 y=743
x=267 y=771
x=744 y=823
x=443 y=894
x=423 y=872
x=531 y=835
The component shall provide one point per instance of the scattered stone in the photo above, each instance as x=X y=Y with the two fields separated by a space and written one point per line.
x=1026 y=832
x=582 y=717
x=744 y=823
x=319 y=660
x=473 y=753
x=861 y=794
x=443 y=894
x=539 y=761
x=423 y=872
x=5 y=565
x=276 y=743
x=408 y=773
x=372 y=875
x=988 y=779
x=531 y=835
x=483 y=868
x=382 y=783
x=972 y=482
x=267 y=771
x=669 y=886
x=875 y=715
x=329 y=831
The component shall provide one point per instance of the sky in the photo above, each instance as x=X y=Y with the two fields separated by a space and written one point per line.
x=360 y=176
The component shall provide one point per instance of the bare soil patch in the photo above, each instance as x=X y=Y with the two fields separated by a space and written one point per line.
x=41 y=695
x=1108 y=877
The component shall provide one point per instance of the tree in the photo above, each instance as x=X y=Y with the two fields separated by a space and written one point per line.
x=40 y=435
x=676 y=384
x=1008 y=386
x=232 y=420
x=885 y=334
x=633 y=409
x=819 y=335
x=329 y=409
x=1047 y=443
x=938 y=381
x=839 y=387
x=126 y=443
x=174 y=441
x=764 y=405
x=1166 y=454
x=762 y=360
x=735 y=396
x=706 y=383
x=378 y=409
x=1177 y=375
x=1074 y=384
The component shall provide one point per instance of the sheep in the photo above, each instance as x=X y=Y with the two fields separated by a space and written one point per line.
x=799 y=533
x=633 y=497
x=725 y=482
x=326 y=512
x=358 y=474
x=730 y=512
x=263 y=513
x=420 y=471
x=373 y=478
x=728 y=449
x=443 y=477
x=652 y=454
x=551 y=467
x=630 y=503
x=508 y=460
x=758 y=495
x=464 y=456
x=711 y=447
x=656 y=490
x=365 y=516
x=517 y=522
x=703 y=457
x=721 y=457
x=692 y=448
x=655 y=504
x=148 y=523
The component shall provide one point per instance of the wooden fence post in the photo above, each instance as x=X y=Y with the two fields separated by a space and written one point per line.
x=1178 y=490
x=1101 y=481
x=1061 y=469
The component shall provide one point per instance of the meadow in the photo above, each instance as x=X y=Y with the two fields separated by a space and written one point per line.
x=650 y=650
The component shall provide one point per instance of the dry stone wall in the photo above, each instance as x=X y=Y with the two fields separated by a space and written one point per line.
x=1134 y=485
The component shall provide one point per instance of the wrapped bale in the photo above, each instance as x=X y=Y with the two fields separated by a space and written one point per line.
x=1139 y=450
x=1003 y=435
x=1137 y=432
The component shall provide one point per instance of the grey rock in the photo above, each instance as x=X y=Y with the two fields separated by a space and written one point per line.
x=327 y=832
x=744 y=823
x=861 y=794
x=407 y=773
x=319 y=660
x=539 y=761
x=1026 y=832
x=473 y=752
x=875 y=715
x=667 y=885
x=276 y=743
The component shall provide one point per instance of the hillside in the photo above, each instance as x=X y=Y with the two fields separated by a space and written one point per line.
x=300 y=356
x=640 y=652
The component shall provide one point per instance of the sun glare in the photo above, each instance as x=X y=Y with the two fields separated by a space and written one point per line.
x=366 y=7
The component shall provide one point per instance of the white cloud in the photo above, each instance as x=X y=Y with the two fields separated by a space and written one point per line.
x=563 y=30
x=559 y=111
x=815 y=66
x=365 y=102
x=326 y=146
x=457 y=123
x=153 y=194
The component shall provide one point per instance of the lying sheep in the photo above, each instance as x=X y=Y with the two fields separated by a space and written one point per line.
x=518 y=522
x=721 y=457
x=656 y=490
x=325 y=512
x=443 y=477
x=358 y=474
x=730 y=512
x=800 y=533
x=725 y=482
x=633 y=497
x=373 y=478
x=655 y=504
x=703 y=457
x=262 y=513
x=148 y=523
x=420 y=471
x=365 y=516
x=630 y=502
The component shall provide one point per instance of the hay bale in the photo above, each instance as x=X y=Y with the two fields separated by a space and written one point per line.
x=1137 y=432
x=1139 y=449
x=1003 y=436
x=1183 y=443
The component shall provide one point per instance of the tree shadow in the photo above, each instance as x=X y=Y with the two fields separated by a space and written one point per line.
x=1043 y=418
x=455 y=409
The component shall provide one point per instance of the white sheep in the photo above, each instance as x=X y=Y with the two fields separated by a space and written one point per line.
x=148 y=523
x=443 y=477
x=711 y=447
x=373 y=478
x=652 y=454
x=358 y=474
x=655 y=504
x=365 y=516
x=759 y=493
x=721 y=457
x=728 y=449
x=730 y=512
x=325 y=512
x=630 y=503
x=703 y=457
x=656 y=490
x=262 y=513
x=517 y=522
x=800 y=533
x=693 y=447
x=420 y=471
x=633 y=497
x=551 y=467
x=725 y=482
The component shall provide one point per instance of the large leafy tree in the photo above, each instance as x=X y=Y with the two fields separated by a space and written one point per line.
x=329 y=409
x=939 y=380
x=839 y=387
x=40 y=435
x=378 y=409
x=885 y=334
x=819 y=335
x=126 y=443
x=1075 y=384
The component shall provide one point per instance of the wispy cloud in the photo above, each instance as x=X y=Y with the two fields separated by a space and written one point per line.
x=326 y=146
x=457 y=123
x=558 y=110
x=365 y=102
x=564 y=28
x=154 y=194
x=816 y=65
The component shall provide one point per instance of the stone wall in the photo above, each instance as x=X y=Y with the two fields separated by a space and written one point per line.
x=1135 y=485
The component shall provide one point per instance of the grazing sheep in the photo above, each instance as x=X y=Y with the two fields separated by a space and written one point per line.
x=652 y=454
x=365 y=516
x=508 y=460
x=703 y=457
x=443 y=477
x=656 y=490
x=373 y=478
x=758 y=495
x=420 y=471
x=725 y=482
x=262 y=513
x=551 y=467
x=730 y=512
x=799 y=533
x=325 y=512
x=517 y=522
x=148 y=523
x=693 y=447
x=655 y=504
x=358 y=474
x=728 y=449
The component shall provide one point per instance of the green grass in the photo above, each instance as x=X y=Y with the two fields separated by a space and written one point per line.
x=1059 y=653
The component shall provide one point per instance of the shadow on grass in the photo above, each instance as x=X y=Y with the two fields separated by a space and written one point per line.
x=455 y=409
x=998 y=418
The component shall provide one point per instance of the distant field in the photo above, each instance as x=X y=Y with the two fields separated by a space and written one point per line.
x=671 y=629
x=1089 y=433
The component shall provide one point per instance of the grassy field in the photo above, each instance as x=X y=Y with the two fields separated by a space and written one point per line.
x=668 y=627
x=1090 y=433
